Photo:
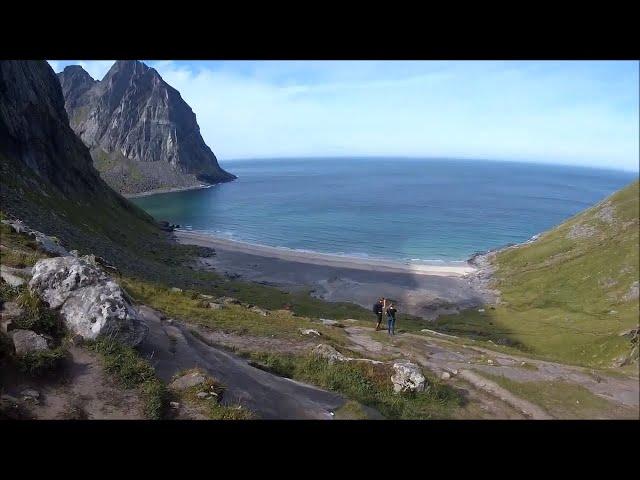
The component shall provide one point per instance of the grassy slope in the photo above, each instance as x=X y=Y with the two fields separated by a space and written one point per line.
x=564 y=294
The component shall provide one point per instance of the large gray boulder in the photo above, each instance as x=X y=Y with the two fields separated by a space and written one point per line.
x=90 y=302
x=27 y=341
x=407 y=378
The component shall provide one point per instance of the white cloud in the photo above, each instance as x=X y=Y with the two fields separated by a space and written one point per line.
x=573 y=112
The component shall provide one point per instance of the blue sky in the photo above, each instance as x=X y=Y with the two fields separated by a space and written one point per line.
x=570 y=112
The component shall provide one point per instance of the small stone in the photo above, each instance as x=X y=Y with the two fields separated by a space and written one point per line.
x=30 y=394
x=176 y=290
x=329 y=353
x=174 y=405
x=481 y=310
x=454 y=372
x=331 y=323
x=228 y=301
x=259 y=311
x=309 y=331
x=215 y=306
x=187 y=381
x=202 y=394
x=490 y=362
x=522 y=364
x=445 y=376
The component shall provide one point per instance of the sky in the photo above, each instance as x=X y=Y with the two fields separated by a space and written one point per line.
x=567 y=112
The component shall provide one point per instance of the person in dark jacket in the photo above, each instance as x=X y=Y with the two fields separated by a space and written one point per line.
x=378 y=309
x=391 y=319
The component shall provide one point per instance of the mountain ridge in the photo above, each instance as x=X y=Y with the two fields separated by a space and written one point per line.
x=142 y=135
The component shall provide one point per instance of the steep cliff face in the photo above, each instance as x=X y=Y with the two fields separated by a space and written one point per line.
x=35 y=136
x=141 y=133
x=47 y=177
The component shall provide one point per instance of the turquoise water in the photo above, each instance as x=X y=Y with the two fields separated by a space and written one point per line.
x=399 y=209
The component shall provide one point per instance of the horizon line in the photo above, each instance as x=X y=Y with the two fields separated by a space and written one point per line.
x=420 y=157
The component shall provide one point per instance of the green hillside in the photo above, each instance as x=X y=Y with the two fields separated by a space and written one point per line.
x=570 y=294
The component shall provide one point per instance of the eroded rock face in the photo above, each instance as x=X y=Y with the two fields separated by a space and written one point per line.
x=26 y=341
x=90 y=302
x=407 y=378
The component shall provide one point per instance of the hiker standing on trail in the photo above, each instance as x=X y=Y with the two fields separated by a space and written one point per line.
x=378 y=308
x=391 y=319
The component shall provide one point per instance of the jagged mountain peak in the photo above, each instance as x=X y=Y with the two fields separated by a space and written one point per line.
x=142 y=134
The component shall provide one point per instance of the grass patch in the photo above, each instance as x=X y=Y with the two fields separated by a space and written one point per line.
x=560 y=399
x=41 y=362
x=7 y=292
x=351 y=411
x=211 y=407
x=235 y=319
x=132 y=371
x=37 y=316
x=366 y=384
x=565 y=295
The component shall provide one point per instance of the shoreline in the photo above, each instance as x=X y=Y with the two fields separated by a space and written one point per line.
x=167 y=190
x=322 y=259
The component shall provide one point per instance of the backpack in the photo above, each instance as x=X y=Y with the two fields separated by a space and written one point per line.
x=376 y=306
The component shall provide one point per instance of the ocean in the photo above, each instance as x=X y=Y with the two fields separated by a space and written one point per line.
x=408 y=210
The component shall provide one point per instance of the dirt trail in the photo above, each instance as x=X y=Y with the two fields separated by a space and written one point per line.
x=84 y=391
x=467 y=364
x=171 y=348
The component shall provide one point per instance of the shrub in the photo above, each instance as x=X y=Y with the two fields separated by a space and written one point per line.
x=37 y=316
x=42 y=361
x=7 y=292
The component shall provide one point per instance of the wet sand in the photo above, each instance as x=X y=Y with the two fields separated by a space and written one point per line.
x=423 y=290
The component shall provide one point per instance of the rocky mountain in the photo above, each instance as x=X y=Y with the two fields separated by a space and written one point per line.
x=141 y=133
x=47 y=177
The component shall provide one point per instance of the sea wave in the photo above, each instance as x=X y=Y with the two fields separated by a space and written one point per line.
x=231 y=236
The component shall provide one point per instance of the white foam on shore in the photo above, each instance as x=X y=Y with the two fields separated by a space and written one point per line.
x=343 y=260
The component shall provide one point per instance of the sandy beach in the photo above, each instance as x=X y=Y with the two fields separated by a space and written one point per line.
x=323 y=259
x=419 y=289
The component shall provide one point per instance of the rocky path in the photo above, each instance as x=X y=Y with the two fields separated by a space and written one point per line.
x=171 y=348
x=466 y=364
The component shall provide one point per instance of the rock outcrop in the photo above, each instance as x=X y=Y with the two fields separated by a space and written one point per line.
x=142 y=135
x=90 y=302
